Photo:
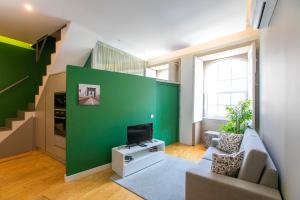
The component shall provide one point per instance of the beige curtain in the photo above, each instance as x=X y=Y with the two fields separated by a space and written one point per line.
x=112 y=59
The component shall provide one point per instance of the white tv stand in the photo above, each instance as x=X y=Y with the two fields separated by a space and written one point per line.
x=142 y=157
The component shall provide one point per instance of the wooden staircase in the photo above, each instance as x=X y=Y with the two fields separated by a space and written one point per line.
x=50 y=66
x=12 y=124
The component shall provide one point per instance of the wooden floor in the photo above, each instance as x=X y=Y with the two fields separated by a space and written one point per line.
x=36 y=176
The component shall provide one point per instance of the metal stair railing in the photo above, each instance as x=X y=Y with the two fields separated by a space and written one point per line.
x=14 y=84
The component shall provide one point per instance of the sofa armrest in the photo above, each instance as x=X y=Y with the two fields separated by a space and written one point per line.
x=215 y=142
x=207 y=185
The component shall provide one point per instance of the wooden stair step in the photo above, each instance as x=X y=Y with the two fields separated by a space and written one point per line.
x=31 y=106
x=15 y=119
x=57 y=35
x=4 y=133
x=21 y=114
x=9 y=121
x=24 y=114
x=4 y=128
x=45 y=78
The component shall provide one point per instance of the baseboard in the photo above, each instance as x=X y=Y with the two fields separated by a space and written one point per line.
x=86 y=172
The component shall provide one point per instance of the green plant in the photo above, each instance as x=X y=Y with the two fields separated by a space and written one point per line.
x=238 y=118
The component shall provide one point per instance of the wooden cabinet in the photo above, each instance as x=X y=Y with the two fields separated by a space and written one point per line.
x=46 y=139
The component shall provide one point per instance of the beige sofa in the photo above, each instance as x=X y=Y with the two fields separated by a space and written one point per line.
x=257 y=178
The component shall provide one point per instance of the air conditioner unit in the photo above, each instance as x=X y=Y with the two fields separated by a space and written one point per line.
x=262 y=12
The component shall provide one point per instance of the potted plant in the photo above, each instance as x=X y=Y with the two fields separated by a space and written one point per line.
x=238 y=117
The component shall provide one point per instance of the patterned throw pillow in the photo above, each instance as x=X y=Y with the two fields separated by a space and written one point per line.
x=229 y=142
x=227 y=164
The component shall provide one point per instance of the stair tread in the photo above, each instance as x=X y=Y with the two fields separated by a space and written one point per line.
x=4 y=128
x=15 y=119
x=25 y=111
x=31 y=107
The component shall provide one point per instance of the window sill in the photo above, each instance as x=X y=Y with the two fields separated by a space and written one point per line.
x=167 y=81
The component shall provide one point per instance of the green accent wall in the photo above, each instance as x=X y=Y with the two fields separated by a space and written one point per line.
x=92 y=131
x=15 y=63
x=167 y=112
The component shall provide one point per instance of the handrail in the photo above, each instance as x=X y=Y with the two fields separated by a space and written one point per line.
x=14 y=84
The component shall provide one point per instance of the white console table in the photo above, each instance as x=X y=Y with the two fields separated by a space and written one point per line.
x=142 y=157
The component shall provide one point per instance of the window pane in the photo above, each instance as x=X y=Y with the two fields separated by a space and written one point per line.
x=224 y=70
x=163 y=74
x=239 y=69
x=224 y=86
x=150 y=73
x=210 y=77
x=221 y=110
x=239 y=85
x=211 y=104
x=237 y=97
x=224 y=99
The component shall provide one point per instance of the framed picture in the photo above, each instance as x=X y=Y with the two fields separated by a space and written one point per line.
x=88 y=94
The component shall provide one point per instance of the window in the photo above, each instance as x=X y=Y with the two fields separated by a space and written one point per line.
x=160 y=72
x=163 y=74
x=106 y=57
x=150 y=73
x=225 y=83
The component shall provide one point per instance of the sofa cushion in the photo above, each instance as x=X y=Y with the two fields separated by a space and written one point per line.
x=230 y=143
x=205 y=165
x=227 y=164
x=209 y=152
x=255 y=159
x=270 y=175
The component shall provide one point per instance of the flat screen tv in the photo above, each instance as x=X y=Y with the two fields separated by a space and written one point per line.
x=139 y=133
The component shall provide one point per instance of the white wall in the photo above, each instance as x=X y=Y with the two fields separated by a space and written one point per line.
x=208 y=124
x=280 y=93
x=186 y=100
x=76 y=47
x=173 y=72
x=198 y=90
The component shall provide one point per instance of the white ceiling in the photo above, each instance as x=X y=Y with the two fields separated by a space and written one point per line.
x=145 y=28
x=17 y=23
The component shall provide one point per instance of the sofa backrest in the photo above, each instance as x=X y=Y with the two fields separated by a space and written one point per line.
x=254 y=160
x=249 y=132
x=257 y=166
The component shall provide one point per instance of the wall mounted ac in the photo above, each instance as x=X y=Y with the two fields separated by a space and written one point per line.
x=262 y=12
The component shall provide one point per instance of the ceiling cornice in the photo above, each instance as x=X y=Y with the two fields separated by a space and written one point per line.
x=244 y=37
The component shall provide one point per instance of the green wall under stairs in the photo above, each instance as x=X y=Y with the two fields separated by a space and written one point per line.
x=15 y=63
